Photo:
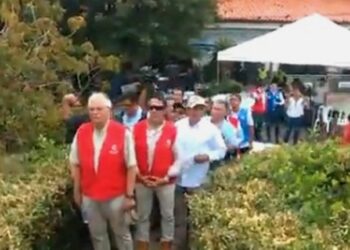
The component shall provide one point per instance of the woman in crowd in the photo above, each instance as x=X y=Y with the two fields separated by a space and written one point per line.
x=295 y=105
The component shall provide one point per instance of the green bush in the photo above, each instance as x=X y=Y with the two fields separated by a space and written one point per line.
x=25 y=116
x=225 y=87
x=36 y=212
x=286 y=198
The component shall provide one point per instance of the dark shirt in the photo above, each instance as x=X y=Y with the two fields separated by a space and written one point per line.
x=117 y=82
x=72 y=125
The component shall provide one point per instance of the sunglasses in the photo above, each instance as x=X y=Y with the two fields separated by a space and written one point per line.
x=156 y=108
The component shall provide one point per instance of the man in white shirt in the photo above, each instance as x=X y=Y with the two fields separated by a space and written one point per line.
x=200 y=142
x=242 y=118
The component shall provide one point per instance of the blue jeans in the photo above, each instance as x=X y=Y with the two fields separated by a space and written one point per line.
x=294 y=126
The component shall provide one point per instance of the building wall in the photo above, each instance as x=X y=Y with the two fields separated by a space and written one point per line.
x=237 y=35
x=239 y=31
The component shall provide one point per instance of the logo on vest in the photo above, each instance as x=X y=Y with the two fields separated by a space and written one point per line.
x=168 y=143
x=113 y=150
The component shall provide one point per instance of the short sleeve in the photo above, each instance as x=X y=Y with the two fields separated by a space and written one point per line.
x=129 y=149
x=73 y=155
x=250 y=118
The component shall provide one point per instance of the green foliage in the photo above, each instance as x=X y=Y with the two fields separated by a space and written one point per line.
x=226 y=87
x=287 y=198
x=144 y=29
x=35 y=203
x=224 y=43
x=37 y=64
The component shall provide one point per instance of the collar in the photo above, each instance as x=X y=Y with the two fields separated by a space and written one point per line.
x=159 y=128
x=196 y=124
x=137 y=114
x=102 y=130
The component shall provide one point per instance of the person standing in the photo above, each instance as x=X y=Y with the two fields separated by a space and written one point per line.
x=103 y=166
x=295 y=115
x=199 y=143
x=133 y=112
x=158 y=167
x=178 y=95
x=346 y=132
x=275 y=111
x=242 y=118
x=258 y=109
x=232 y=136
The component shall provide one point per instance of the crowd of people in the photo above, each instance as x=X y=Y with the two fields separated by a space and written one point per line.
x=124 y=155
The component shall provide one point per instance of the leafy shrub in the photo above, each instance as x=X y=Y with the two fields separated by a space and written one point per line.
x=35 y=202
x=287 y=198
x=37 y=63
x=225 y=87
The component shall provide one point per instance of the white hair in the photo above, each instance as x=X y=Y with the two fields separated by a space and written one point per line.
x=101 y=97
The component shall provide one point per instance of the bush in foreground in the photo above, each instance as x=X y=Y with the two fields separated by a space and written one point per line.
x=287 y=198
x=36 y=212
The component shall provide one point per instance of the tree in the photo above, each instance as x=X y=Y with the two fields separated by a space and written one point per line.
x=147 y=29
x=36 y=64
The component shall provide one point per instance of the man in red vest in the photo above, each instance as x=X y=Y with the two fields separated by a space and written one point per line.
x=158 y=166
x=103 y=165
x=258 y=109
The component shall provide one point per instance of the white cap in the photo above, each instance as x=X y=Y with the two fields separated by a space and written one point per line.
x=196 y=100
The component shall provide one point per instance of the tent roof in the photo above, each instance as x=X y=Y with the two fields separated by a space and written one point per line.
x=312 y=40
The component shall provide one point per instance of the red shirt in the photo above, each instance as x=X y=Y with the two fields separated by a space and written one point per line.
x=260 y=99
x=346 y=134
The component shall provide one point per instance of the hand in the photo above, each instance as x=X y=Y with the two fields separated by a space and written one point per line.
x=157 y=181
x=145 y=180
x=71 y=99
x=238 y=157
x=128 y=204
x=77 y=198
x=201 y=158
x=231 y=148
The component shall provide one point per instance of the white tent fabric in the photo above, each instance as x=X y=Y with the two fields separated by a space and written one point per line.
x=312 y=40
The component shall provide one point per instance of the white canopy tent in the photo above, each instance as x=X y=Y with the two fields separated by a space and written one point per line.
x=312 y=40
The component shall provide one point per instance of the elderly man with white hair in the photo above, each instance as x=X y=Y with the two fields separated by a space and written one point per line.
x=103 y=164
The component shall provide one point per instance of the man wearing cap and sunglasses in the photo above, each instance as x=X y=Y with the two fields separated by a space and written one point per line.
x=158 y=166
x=199 y=142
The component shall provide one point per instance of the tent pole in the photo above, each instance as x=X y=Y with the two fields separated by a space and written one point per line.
x=217 y=72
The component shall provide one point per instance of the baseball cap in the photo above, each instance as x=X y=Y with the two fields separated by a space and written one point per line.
x=196 y=100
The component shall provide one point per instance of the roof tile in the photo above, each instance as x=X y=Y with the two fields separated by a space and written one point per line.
x=282 y=10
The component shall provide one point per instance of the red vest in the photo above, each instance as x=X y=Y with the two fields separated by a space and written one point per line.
x=163 y=152
x=110 y=179
x=259 y=105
